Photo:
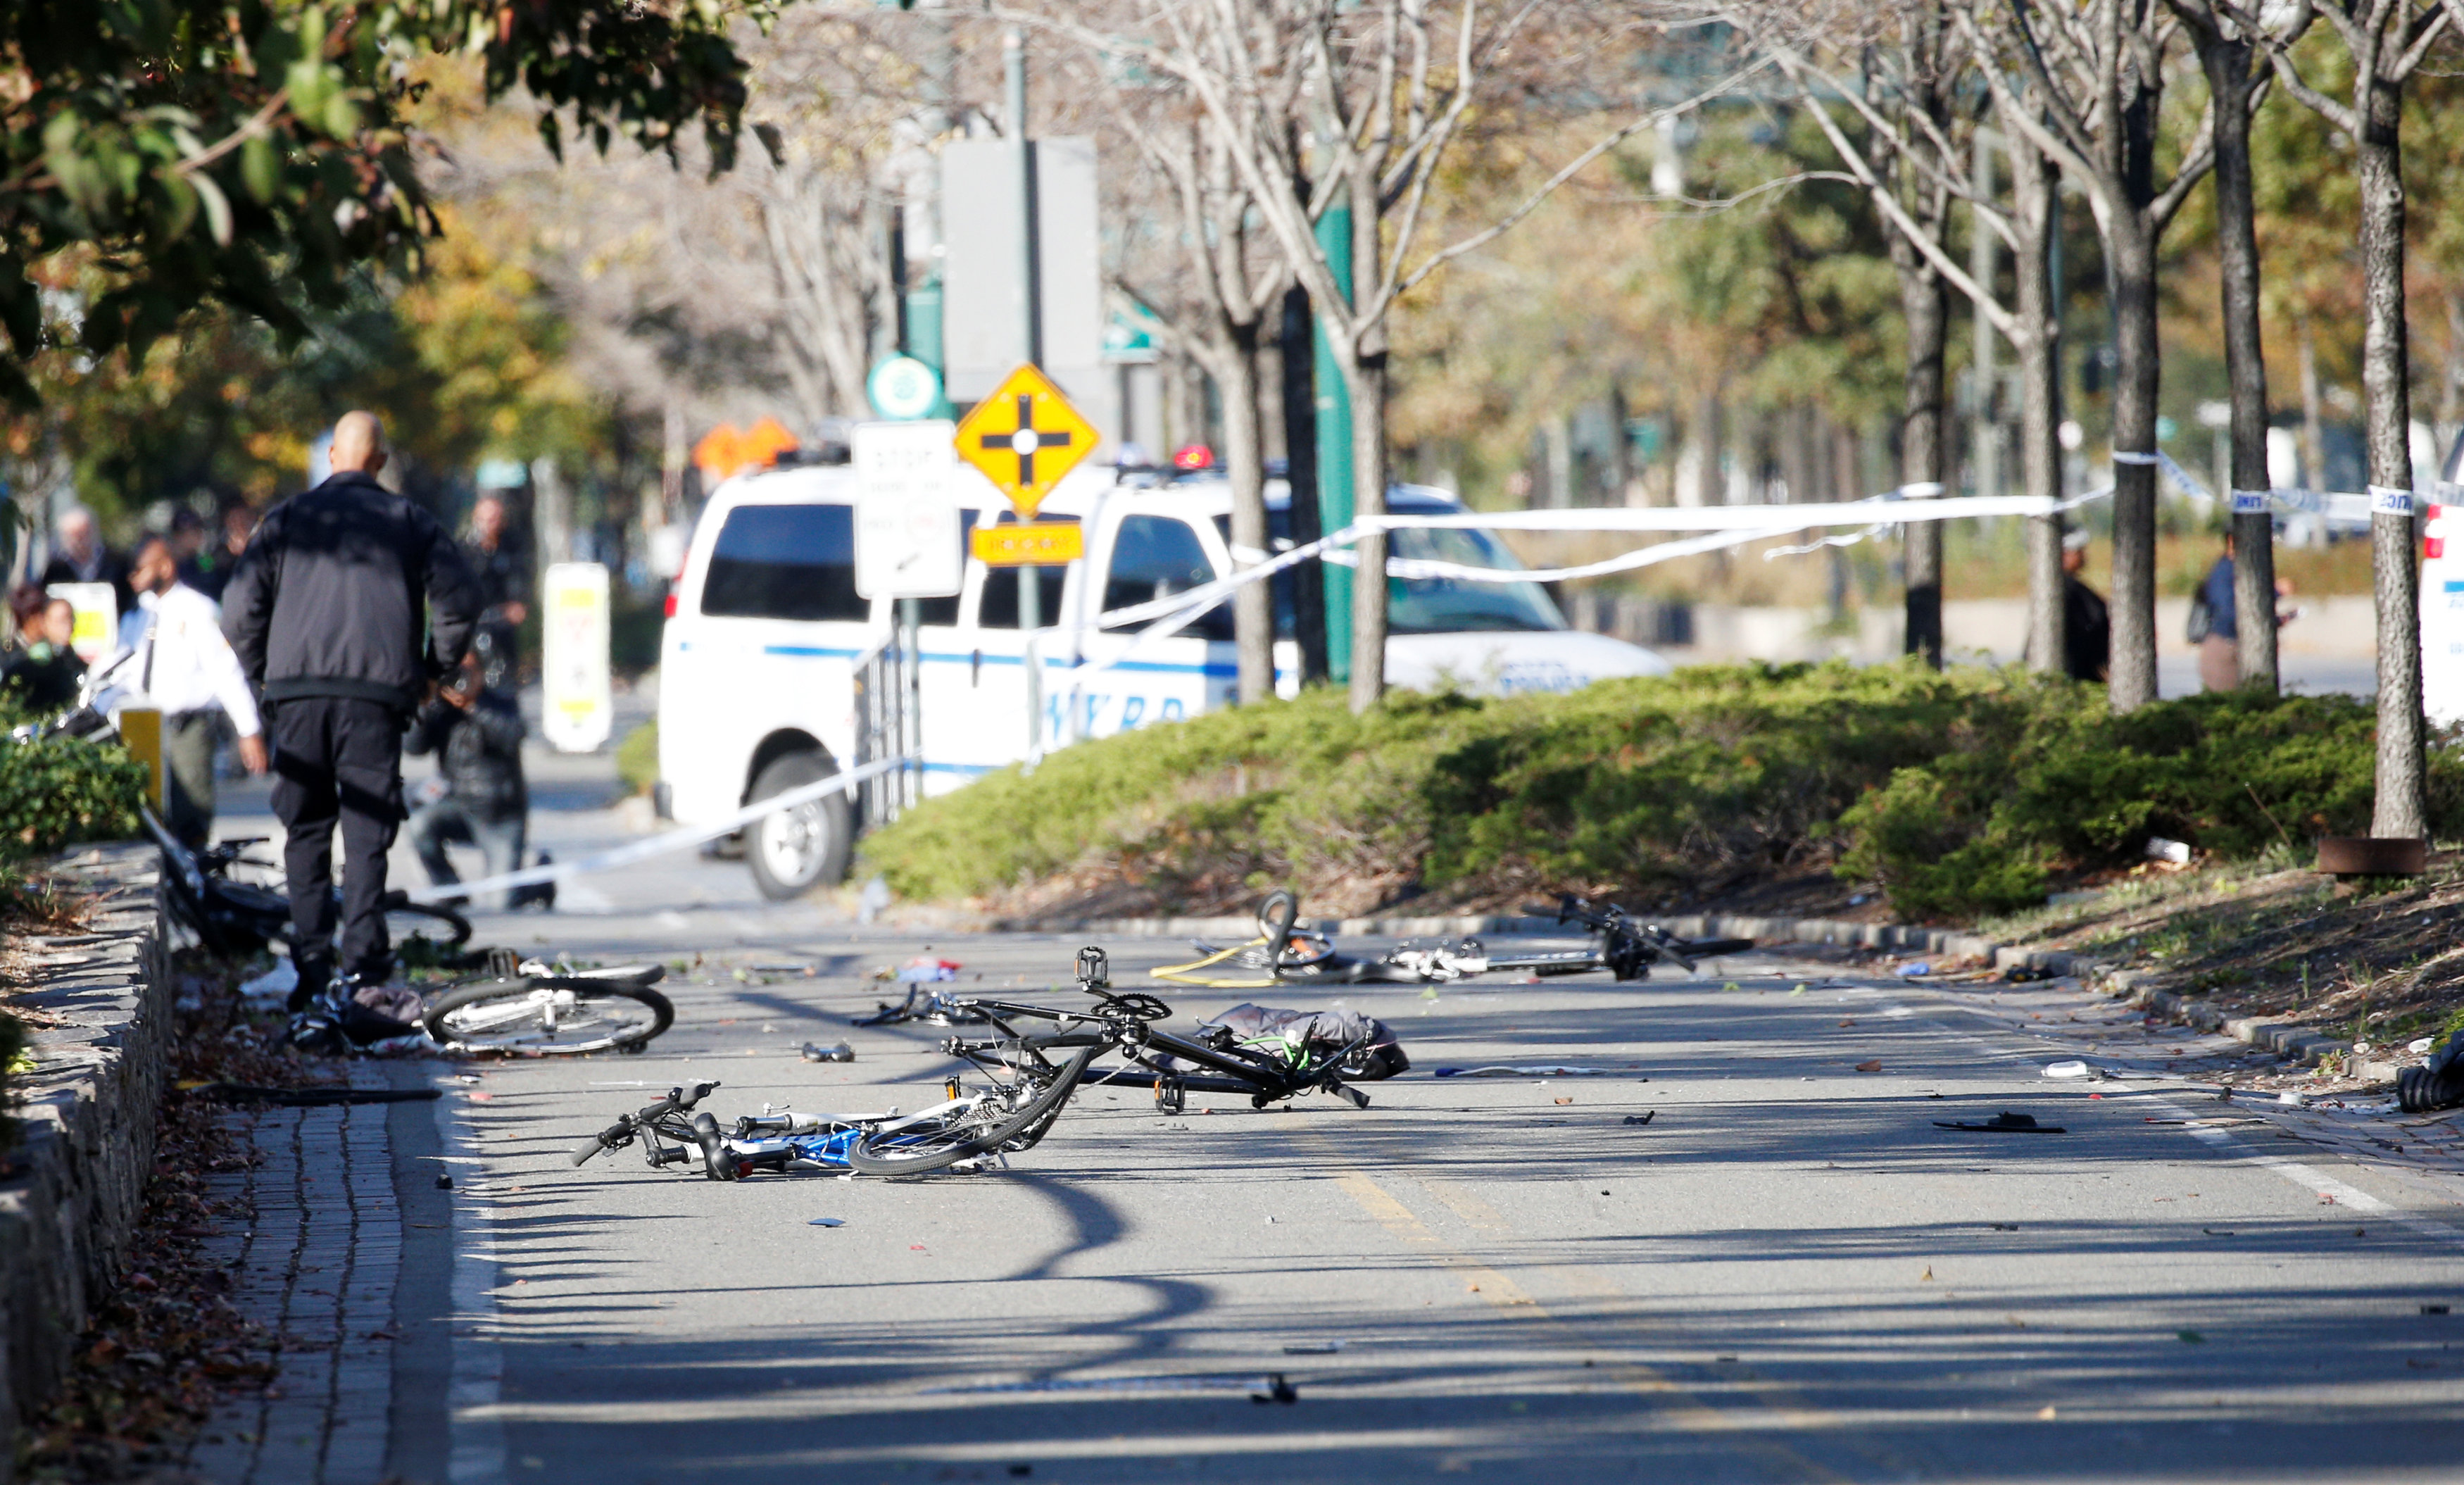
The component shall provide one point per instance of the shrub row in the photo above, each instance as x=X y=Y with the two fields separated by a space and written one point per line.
x=1961 y=792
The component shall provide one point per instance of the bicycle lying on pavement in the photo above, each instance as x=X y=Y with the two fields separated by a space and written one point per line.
x=1286 y=954
x=967 y=1127
x=529 y=1009
x=1029 y=1077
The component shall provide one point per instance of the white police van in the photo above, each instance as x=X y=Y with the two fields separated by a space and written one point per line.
x=765 y=632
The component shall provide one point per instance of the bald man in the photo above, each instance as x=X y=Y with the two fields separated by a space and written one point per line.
x=345 y=608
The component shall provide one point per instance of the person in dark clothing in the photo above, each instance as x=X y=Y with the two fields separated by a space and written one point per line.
x=2087 y=624
x=43 y=674
x=325 y=608
x=504 y=591
x=2216 y=625
x=475 y=732
x=202 y=561
x=82 y=556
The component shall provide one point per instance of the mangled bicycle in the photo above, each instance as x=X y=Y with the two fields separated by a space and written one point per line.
x=1284 y=953
x=1034 y=1060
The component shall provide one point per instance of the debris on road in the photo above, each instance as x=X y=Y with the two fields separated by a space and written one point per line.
x=827 y=1222
x=1642 y=1119
x=1871 y=1065
x=1916 y=971
x=2005 y=1123
x=924 y=969
x=2068 y=1070
x=1314 y=1349
x=2437 y=1083
x=815 y=1051
x=1278 y=1390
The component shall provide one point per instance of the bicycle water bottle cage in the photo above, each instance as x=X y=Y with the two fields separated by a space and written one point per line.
x=1094 y=970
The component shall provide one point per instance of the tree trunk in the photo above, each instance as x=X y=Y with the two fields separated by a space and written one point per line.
x=1244 y=467
x=1300 y=478
x=1365 y=375
x=2402 y=807
x=2133 y=257
x=2040 y=456
x=1925 y=304
x=2227 y=62
x=1367 y=381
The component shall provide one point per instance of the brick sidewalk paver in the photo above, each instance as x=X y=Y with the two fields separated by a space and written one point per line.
x=317 y=1268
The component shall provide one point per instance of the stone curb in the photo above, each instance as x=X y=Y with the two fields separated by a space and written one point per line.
x=2301 y=1043
x=70 y=1199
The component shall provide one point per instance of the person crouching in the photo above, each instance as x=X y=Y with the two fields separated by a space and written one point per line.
x=475 y=732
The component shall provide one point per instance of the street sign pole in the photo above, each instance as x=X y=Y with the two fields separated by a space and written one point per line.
x=1024 y=437
x=1030 y=594
x=1334 y=448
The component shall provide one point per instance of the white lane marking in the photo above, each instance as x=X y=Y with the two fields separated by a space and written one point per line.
x=2308 y=1177
x=476 y=1385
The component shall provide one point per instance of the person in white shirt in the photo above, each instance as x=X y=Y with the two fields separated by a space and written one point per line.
x=183 y=664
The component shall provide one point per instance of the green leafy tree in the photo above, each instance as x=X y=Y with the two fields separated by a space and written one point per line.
x=254 y=152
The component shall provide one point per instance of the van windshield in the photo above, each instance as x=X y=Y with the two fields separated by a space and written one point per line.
x=1450 y=606
x=1431 y=605
x=786 y=562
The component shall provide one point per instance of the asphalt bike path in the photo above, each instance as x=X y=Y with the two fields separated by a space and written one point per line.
x=1789 y=1273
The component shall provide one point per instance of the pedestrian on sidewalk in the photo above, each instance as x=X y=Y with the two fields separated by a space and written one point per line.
x=181 y=664
x=504 y=592
x=2216 y=629
x=43 y=671
x=327 y=608
x=2087 y=621
x=79 y=555
x=475 y=731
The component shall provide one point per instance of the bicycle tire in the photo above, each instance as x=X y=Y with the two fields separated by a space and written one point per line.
x=406 y=919
x=545 y=1034
x=964 y=1142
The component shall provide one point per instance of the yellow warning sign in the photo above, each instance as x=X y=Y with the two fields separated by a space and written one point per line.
x=1024 y=437
x=1044 y=544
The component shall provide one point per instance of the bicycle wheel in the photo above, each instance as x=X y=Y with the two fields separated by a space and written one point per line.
x=424 y=934
x=549 y=1015
x=918 y=1149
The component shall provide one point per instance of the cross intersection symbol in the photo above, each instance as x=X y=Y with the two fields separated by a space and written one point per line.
x=1026 y=440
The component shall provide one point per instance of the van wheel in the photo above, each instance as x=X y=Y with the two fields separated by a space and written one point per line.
x=797 y=850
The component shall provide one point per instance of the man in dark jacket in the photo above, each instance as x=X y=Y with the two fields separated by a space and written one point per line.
x=2087 y=622
x=475 y=731
x=326 y=610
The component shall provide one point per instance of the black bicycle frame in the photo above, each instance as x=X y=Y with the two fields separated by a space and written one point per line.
x=1236 y=1071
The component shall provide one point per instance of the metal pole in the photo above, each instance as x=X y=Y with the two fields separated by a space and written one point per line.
x=911 y=701
x=1334 y=492
x=1030 y=289
x=1030 y=593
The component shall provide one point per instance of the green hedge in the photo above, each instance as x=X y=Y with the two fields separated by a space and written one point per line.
x=61 y=791
x=1960 y=793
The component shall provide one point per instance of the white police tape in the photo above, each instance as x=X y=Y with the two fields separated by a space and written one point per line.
x=2387 y=501
x=2253 y=503
x=1726 y=526
x=679 y=839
